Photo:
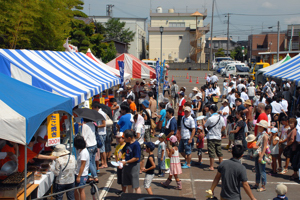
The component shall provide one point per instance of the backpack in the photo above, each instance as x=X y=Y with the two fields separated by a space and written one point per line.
x=98 y=140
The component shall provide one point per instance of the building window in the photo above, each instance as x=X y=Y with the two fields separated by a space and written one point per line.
x=296 y=32
x=180 y=37
x=176 y=24
x=216 y=45
x=295 y=45
x=260 y=46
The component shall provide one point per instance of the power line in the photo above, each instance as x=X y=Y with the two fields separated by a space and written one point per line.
x=266 y=15
x=126 y=12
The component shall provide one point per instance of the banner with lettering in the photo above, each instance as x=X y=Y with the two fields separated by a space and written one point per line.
x=53 y=129
x=121 y=68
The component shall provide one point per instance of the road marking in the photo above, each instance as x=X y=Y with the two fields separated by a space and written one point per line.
x=211 y=180
x=107 y=186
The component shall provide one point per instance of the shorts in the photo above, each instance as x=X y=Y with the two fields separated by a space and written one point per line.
x=161 y=164
x=179 y=121
x=119 y=176
x=82 y=182
x=148 y=180
x=214 y=147
x=103 y=139
x=185 y=147
x=142 y=151
x=275 y=155
x=199 y=152
x=282 y=146
x=108 y=141
x=147 y=135
x=130 y=175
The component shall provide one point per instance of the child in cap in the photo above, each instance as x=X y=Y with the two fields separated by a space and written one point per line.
x=150 y=166
x=251 y=144
x=200 y=142
x=175 y=167
x=281 y=191
x=274 y=147
x=161 y=154
x=119 y=157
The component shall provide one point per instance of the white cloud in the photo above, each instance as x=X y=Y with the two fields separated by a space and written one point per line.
x=267 y=5
x=292 y=20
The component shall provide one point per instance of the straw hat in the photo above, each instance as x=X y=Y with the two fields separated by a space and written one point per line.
x=251 y=83
x=263 y=123
x=195 y=89
x=250 y=138
x=248 y=102
x=60 y=150
x=224 y=101
x=129 y=87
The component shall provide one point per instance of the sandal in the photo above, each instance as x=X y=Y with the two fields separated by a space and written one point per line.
x=261 y=189
x=254 y=187
x=283 y=171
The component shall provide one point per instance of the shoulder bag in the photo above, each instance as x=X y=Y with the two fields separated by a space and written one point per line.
x=98 y=140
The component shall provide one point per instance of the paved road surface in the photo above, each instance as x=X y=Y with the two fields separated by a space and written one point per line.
x=195 y=180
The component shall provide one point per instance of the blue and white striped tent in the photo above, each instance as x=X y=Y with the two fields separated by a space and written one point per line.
x=289 y=70
x=68 y=74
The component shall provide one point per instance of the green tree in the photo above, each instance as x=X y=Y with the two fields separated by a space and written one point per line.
x=115 y=31
x=220 y=53
x=237 y=53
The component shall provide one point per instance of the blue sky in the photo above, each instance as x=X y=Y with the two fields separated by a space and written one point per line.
x=240 y=25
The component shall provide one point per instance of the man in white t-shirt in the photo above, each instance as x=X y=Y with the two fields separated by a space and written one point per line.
x=234 y=82
x=214 y=79
x=240 y=86
x=102 y=132
x=188 y=129
x=231 y=97
x=244 y=95
x=215 y=125
x=208 y=78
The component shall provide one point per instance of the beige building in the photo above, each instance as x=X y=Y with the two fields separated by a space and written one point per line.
x=180 y=43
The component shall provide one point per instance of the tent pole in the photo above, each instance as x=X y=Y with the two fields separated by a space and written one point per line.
x=71 y=134
x=25 y=185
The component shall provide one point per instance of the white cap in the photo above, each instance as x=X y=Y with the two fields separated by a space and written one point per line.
x=187 y=108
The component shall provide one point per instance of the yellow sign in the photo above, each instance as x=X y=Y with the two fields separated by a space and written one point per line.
x=53 y=129
x=102 y=100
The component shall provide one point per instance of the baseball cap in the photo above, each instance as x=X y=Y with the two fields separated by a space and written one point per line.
x=150 y=145
x=274 y=130
x=120 y=135
x=187 y=108
x=181 y=93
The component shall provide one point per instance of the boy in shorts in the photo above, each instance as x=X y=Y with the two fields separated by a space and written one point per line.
x=119 y=157
x=161 y=155
x=200 y=143
x=149 y=168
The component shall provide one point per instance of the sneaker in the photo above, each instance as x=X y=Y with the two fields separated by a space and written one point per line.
x=227 y=147
x=161 y=175
x=98 y=171
x=119 y=193
x=167 y=172
x=185 y=167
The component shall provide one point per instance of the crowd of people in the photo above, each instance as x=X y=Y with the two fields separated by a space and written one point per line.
x=256 y=120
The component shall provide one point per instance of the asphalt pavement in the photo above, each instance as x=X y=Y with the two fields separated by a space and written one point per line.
x=195 y=180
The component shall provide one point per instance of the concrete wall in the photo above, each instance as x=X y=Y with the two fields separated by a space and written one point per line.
x=165 y=21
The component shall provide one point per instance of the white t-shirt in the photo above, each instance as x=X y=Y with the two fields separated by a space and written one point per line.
x=229 y=90
x=234 y=84
x=244 y=96
x=251 y=91
x=116 y=114
x=276 y=107
x=140 y=129
x=258 y=101
x=215 y=132
x=240 y=86
x=231 y=98
x=284 y=104
x=88 y=133
x=225 y=110
x=190 y=123
x=214 y=79
x=208 y=79
x=275 y=149
x=161 y=147
x=101 y=131
x=269 y=92
x=83 y=156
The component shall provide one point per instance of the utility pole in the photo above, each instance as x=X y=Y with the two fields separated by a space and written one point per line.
x=278 y=40
x=109 y=11
x=228 y=36
x=211 y=33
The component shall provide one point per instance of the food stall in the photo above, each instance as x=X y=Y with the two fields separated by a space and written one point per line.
x=23 y=109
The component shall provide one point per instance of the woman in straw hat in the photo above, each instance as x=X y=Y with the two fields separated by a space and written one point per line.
x=260 y=168
x=64 y=171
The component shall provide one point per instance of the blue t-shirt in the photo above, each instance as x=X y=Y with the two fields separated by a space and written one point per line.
x=241 y=107
x=132 y=151
x=166 y=85
x=163 y=114
x=172 y=127
x=125 y=122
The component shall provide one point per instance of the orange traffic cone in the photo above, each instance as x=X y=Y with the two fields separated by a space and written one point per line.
x=187 y=75
x=190 y=79
x=197 y=82
x=167 y=73
x=172 y=78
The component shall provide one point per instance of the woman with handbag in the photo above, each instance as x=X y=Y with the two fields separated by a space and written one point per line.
x=239 y=130
x=290 y=149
